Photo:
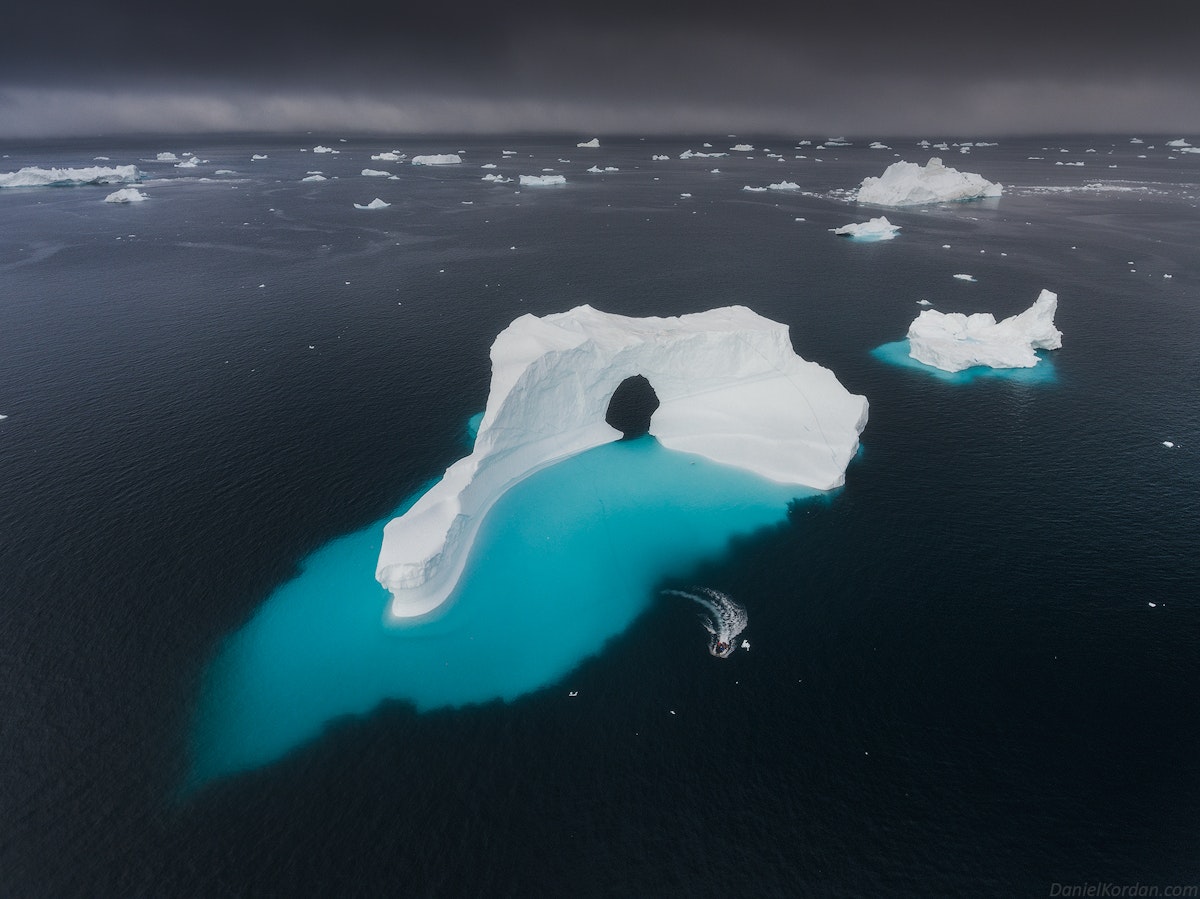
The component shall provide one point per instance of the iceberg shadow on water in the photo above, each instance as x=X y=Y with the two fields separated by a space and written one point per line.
x=566 y=560
x=897 y=353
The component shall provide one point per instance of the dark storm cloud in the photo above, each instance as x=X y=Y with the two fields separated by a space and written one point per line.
x=648 y=66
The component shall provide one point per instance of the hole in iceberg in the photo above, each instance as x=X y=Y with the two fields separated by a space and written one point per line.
x=631 y=407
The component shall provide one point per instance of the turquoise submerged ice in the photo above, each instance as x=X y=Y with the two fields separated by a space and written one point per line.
x=564 y=562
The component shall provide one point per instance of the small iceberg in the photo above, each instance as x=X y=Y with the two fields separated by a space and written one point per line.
x=875 y=229
x=190 y=163
x=908 y=184
x=126 y=195
x=166 y=157
x=375 y=173
x=742 y=148
x=32 y=176
x=257 y=156
x=696 y=154
x=965 y=277
x=389 y=156
x=496 y=179
x=596 y=170
x=321 y=149
x=953 y=341
x=374 y=204
x=437 y=159
x=542 y=180
x=592 y=144
x=315 y=176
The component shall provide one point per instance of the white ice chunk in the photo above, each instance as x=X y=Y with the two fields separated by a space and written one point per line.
x=389 y=156
x=908 y=184
x=316 y=176
x=963 y=277
x=596 y=170
x=126 y=195
x=496 y=178
x=437 y=159
x=696 y=154
x=593 y=143
x=742 y=148
x=875 y=229
x=32 y=176
x=1179 y=142
x=953 y=341
x=660 y=158
x=542 y=180
x=257 y=156
x=731 y=389
x=488 y=165
x=1168 y=444
x=321 y=149
x=879 y=145
x=374 y=204
x=166 y=157
x=376 y=173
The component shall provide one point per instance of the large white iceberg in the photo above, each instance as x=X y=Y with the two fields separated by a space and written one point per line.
x=953 y=341
x=32 y=176
x=437 y=159
x=875 y=229
x=731 y=388
x=542 y=180
x=908 y=184
x=592 y=144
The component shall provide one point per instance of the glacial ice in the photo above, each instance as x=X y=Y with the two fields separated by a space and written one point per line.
x=542 y=180
x=32 y=176
x=374 y=204
x=742 y=148
x=126 y=195
x=437 y=159
x=730 y=386
x=321 y=149
x=1178 y=142
x=166 y=157
x=908 y=184
x=593 y=143
x=375 y=173
x=875 y=229
x=596 y=170
x=496 y=178
x=257 y=156
x=315 y=176
x=696 y=154
x=389 y=156
x=953 y=341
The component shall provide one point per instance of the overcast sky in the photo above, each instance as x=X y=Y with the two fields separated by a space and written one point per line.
x=620 y=66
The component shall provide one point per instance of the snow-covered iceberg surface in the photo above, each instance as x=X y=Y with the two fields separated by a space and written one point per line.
x=437 y=159
x=374 y=204
x=542 y=180
x=953 y=341
x=875 y=229
x=32 y=176
x=731 y=389
x=126 y=195
x=593 y=143
x=908 y=184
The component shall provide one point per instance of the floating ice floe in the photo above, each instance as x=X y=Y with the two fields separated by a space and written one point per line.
x=1168 y=444
x=875 y=229
x=924 y=303
x=780 y=185
x=685 y=196
x=32 y=176
x=953 y=341
x=593 y=143
x=658 y=158
x=376 y=173
x=496 y=179
x=374 y=204
x=696 y=154
x=437 y=159
x=389 y=156
x=126 y=195
x=596 y=170
x=224 y=172
x=166 y=157
x=542 y=180
x=741 y=148
x=879 y=145
x=257 y=156
x=1178 y=142
x=964 y=277
x=190 y=163
x=316 y=176
x=908 y=184
x=730 y=386
x=321 y=149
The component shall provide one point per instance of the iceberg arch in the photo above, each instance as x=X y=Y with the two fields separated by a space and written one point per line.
x=731 y=389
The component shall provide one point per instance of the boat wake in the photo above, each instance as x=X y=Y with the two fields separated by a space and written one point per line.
x=724 y=618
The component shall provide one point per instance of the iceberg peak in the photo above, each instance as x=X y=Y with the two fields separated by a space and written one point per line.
x=953 y=341
x=909 y=184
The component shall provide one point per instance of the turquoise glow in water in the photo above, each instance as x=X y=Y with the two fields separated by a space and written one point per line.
x=896 y=353
x=565 y=561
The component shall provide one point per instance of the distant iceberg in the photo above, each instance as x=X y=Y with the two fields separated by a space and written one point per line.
x=657 y=158
x=31 y=176
x=779 y=185
x=741 y=148
x=1179 y=142
x=496 y=179
x=593 y=143
x=316 y=176
x=542 y=180
x=321 y=149
x=875 y=229
x=165 y=157
x=257 y=156
x=696 y=154
x=374 y=204
x=908 y=184
x=389 y=156
x=730 y=386
x=953 y=341
x=437 y=159
x=190 y=163
x=126 y=195
x=596 y=170
x=376 y=173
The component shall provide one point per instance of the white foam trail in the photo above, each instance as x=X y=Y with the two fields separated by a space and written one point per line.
x=726 y=619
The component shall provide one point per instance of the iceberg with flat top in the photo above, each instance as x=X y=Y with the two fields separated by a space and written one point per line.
x=730 y=388
x=437 y=159
x=953 y=341
x=542 y=180
x=875 y=229
x=32 y=176
x=908 y=184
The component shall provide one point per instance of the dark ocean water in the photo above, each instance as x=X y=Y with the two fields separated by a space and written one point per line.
x=957 y=683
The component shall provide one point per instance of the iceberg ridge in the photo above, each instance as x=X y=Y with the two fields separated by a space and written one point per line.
x=32 y=176
x=731 y=389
